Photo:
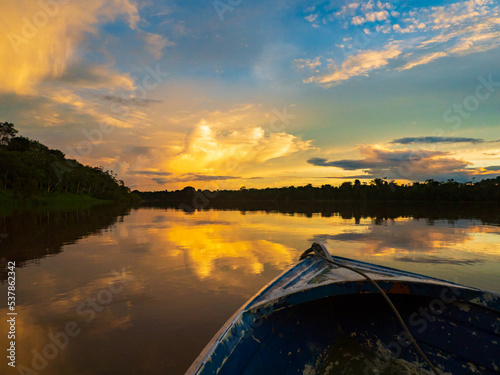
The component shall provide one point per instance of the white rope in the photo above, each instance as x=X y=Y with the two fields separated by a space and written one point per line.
x=326 y=256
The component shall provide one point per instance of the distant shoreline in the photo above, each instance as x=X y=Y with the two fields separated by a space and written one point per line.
x=487 y=190
x=214 y=203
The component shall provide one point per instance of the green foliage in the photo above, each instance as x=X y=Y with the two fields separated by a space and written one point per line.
x=29 y=168
x=7 y=131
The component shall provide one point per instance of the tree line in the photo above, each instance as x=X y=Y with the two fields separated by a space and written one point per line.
x=29 y=168
x=376 y=190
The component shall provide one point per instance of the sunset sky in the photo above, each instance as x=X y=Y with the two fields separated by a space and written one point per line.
x=230 y=93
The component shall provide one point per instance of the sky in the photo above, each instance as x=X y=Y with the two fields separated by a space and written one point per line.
x=220 y=94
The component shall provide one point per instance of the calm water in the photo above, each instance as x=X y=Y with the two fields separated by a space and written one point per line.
x=143 y=291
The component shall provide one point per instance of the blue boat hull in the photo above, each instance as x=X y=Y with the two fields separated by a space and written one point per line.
x=319 y=319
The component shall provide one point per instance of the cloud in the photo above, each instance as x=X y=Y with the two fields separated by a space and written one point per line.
x=459 y=28
x=188 y=177
x=351 y=177
x=311 y=18
x=155 y=44
x=458 y=13
x=200 y=177
x=369 y=11
x=311 y=64
x=416 y=165
x=349 y=165
x=358 y=20
x=139 y=150
x=41 y=43
x=127 y=101
x=160 y=180
x=357 y=65
x=86 y=104
x=424 y=60
x=495 y=168
x=465 y=27
x=371 y=17
x=151 y=173
x=86 y=75
x=237 y=143
x=209 y=148
x=411 y=140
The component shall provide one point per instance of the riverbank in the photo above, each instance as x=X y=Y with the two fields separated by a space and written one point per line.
x=50 y=201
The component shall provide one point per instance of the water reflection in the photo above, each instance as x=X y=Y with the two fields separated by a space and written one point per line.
x=487 y=213
x=210 y=249
x=29 y=235
x=412 y=236
x=187 y=273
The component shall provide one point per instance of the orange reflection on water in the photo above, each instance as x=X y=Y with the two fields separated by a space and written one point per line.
x=207 y=242
x=212 y=247
x=190 y=272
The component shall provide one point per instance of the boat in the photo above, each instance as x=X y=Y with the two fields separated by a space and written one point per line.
x=333 y=315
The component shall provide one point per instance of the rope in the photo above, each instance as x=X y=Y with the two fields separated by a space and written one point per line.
x=329 y=259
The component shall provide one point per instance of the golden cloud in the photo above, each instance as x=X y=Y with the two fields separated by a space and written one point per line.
x=211 y=150
x=41 y=37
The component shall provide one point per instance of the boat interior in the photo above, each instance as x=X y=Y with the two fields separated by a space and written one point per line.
x=359 y=334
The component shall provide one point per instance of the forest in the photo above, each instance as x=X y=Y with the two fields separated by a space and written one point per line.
x=29 y=168
x=487 y=190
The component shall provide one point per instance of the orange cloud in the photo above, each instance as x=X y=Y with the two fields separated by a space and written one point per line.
x=212 y=150
x=41 y=37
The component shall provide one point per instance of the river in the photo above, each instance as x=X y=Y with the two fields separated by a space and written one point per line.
x=114 y=290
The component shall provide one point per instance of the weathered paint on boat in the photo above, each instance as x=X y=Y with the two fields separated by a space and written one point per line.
x=317 y=318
